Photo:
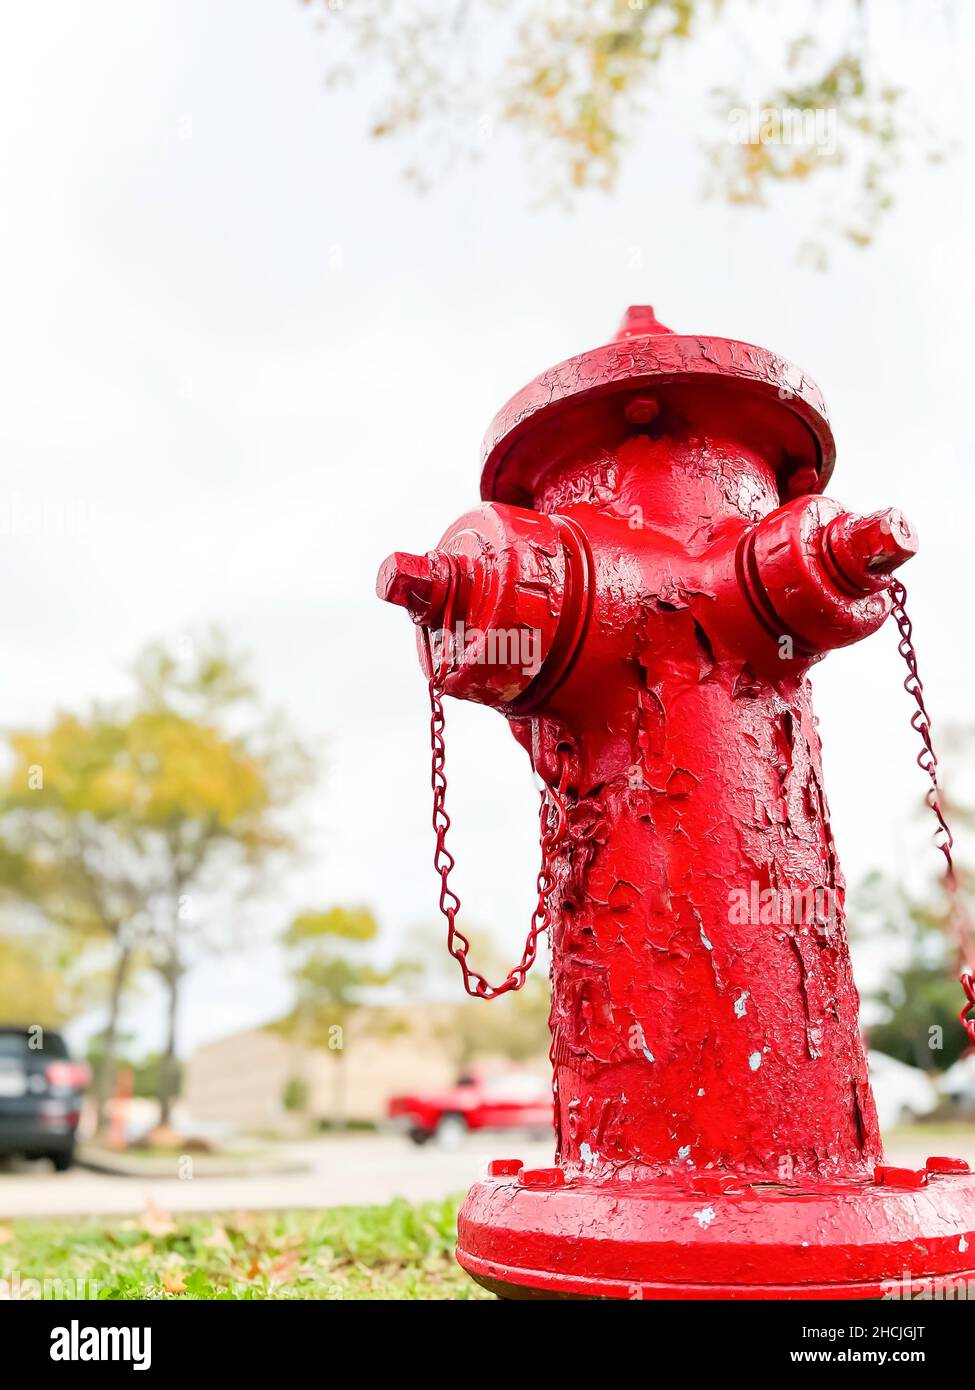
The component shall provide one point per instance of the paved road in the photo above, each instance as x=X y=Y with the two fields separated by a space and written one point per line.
x=348 y=1171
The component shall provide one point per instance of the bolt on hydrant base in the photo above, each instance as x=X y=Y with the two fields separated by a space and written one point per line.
x=714 y=1236
x=642 y=595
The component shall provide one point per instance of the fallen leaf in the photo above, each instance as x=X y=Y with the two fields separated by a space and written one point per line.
x=283 y=1267
x=6 y=1235
x=217 y=1239
x=244 y=1220
x=157 y=1222
x=173 y=1282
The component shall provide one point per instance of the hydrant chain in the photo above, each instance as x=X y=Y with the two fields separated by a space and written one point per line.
x=552 y=821
x=928 y=763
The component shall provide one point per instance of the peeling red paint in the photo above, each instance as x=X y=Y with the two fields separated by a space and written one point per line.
x=653 y=521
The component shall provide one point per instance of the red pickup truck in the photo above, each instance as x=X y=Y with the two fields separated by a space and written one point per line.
x=481 y=1099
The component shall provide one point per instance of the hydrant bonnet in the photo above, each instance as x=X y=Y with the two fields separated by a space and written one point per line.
x=579 y=400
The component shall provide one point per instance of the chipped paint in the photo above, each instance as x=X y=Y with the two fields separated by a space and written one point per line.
x=704 y=1217
x=677 y=564
x=654 y=568
x=695 y=774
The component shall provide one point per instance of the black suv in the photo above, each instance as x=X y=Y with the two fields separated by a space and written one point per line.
x=40 y=1095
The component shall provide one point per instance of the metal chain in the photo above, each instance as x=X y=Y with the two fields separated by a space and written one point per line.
x=552 y=822
x=927 y=761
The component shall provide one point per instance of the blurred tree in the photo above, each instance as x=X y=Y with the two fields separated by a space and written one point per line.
x=920 y=997
x=921 y=1027
x=333 y=974
x=575 y=80
x=295 y=1094
x=145 y=1071
x=118 y=824
x=41 y=980
x=515 y=1026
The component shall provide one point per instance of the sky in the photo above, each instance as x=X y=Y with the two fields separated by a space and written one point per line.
x=242 y=360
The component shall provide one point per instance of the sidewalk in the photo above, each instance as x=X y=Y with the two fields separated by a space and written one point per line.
x=353 y=1171
x=334 y=1171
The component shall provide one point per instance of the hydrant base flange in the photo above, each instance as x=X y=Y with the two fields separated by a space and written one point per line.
x=671 y=1238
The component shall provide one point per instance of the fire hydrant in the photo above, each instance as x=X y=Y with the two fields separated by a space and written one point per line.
x=651 y=577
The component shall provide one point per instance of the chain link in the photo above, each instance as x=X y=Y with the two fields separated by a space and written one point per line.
x=927 y=761
x=552 y=826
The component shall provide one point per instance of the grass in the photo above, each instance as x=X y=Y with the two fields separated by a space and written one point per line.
x=399 y=1251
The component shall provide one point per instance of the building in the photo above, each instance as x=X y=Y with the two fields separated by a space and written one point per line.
x=242 y=1080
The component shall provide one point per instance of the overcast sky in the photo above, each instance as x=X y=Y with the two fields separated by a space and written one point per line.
x=242 y=361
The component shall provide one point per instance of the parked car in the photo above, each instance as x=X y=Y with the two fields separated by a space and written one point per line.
x=902 y=1093
x=40 y=1095
x=515 y=1098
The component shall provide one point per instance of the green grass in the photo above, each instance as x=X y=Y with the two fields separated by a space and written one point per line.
x=399 y=1251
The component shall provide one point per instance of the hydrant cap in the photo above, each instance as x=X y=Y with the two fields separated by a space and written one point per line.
x=771 y=396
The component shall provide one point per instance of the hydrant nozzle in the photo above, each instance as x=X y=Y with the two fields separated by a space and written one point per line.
x=418 y=583
x=867 y=549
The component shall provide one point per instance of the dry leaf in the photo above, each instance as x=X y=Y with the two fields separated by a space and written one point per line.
x=217 y=1239
x=283 y=1267
x=173 y=1282
x=244 y=1220
x=158 y=1223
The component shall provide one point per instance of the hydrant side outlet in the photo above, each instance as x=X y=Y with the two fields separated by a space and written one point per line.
x=658 y=557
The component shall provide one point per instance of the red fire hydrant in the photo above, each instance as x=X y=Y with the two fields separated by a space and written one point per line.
x=642 y=595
